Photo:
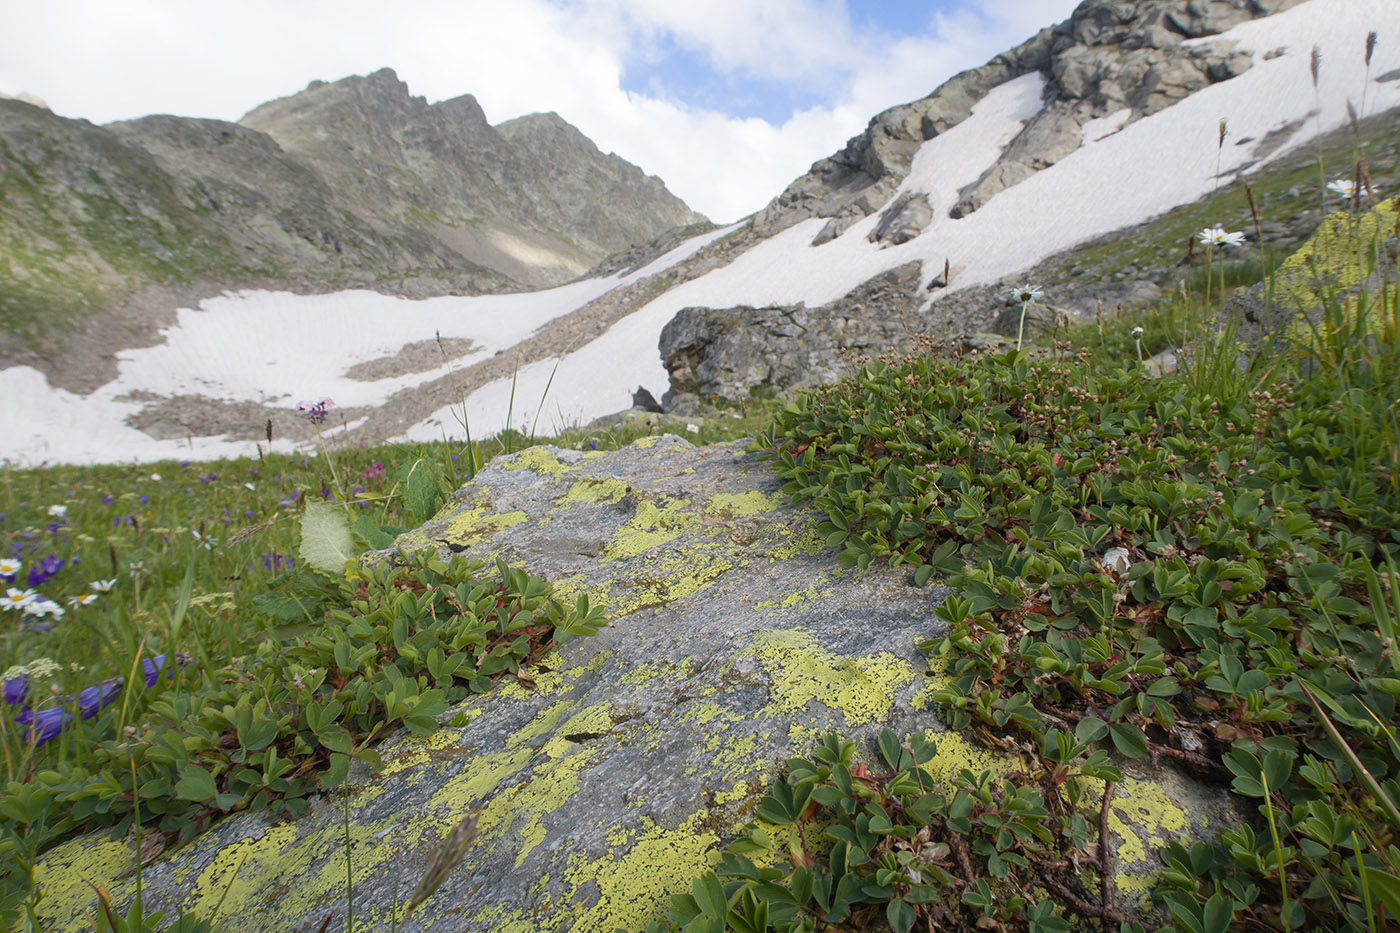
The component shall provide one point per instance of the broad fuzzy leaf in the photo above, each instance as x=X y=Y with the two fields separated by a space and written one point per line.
x=326 y=543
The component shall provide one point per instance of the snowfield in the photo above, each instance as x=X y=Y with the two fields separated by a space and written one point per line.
x=276 y=348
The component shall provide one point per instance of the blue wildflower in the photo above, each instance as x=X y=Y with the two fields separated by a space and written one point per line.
x=45 y=570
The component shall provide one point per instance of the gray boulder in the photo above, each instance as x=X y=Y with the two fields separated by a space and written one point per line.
x=601 y=790
x=1040 y=321
x=724 y=354
x=905 y=219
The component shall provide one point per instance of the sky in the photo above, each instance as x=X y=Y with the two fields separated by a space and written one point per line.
x=726 y=100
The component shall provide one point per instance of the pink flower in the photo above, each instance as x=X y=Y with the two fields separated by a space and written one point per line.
x=315 y=412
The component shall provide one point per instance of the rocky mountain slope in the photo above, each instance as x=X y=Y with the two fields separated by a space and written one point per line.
x=1110 y=63
x=1085 y=159
x=354 y=183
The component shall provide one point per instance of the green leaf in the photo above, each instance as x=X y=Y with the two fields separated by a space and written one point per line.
x=372 y=534
x=334 y=775
x=1128 y=739
x=1090 y=729
x=420 y=494
x=709 y=895
x=195 y=784
x=325 y=537
x=1385 y=887
x=900 y=916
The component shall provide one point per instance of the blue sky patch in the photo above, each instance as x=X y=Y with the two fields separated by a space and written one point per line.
x=689 y=77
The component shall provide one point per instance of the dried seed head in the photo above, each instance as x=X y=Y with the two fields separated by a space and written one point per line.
x=1370 y=46
x=1315 y=64
x=1224 y=131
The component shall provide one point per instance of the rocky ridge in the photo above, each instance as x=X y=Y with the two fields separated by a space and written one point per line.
x=348 y=184
x=1112 y=61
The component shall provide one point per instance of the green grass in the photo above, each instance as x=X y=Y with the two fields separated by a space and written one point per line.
x=1197 y=569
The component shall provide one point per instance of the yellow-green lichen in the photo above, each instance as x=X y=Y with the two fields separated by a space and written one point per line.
x=1340 y=257
x=654 y=524
x=541 y=460
x=551 y=677
x=809 y=593
x=861 y=688
x=461 y=526
x=803 y=543
x=744 y=504
x=595 y=489
x=630 y=890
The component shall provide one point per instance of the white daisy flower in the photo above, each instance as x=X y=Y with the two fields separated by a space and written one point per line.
x=9 y=566
x=1344 y=187
x=1026 y=293
x=16 y=598
x=693 y=428
x=82 y=600
x=102 y=586
x=58 y=511
x=155 y=477
x=44 y=607
x=1216 y=236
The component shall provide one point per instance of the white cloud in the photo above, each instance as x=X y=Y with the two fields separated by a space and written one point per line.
x=107 y=60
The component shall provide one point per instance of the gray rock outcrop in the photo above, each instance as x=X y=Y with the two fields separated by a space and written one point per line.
x=1108 y=56
x=725 y=354
x=735 y=643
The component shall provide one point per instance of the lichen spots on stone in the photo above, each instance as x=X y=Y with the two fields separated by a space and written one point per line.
x=654 y=525
x=861 y=688
x=953 y=753
x=62 y=869
x=461 y=525
x=593 y=722
x=415 y=750
x=1145 y=819
x=632 y=889
x=744 y=504
x=550 y=676
x=595 y=490
x=539 y=459
x=1339 y=257
x=807 y=594
x=804 y=542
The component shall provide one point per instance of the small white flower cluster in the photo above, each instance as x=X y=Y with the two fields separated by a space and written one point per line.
x=37 y=669
x=58 y=511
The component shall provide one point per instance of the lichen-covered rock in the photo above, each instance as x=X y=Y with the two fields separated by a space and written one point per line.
x=602 y=788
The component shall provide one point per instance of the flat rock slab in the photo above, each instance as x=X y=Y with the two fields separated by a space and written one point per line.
x=735 y=643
